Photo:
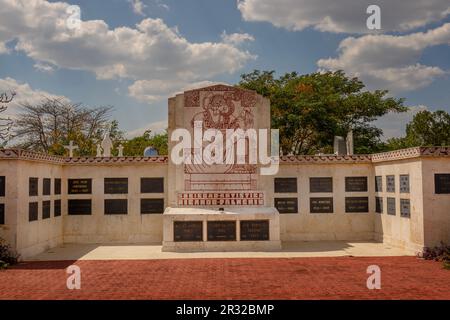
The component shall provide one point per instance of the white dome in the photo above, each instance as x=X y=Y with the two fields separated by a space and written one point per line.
x=150 y=152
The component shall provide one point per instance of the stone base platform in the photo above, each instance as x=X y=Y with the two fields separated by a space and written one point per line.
x=233 y=229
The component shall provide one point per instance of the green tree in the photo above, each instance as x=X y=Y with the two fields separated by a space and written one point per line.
x=309 y=110
x=117 y=136
x=426 y=129
x=137 y=145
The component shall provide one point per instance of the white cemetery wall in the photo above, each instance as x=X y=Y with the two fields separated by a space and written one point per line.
x=131 y=226
x=335 y=224
x=395 y=225
x=36 y=230
x=414 y=207
x=436 y=200
x=8 y=201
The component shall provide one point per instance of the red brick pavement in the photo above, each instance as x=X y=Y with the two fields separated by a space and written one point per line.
x=296 y=278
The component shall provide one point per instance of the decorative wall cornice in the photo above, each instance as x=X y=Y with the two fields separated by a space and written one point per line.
x=19 y=154
x=12 y=154
x=435 y=151
x=115 y=160
x=402 y=154
x=325 y=159
x=411 y=153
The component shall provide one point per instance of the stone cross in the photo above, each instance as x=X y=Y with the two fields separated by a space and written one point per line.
x=106 y=145
x=71 y=147
x=120 y=149
x=99 y=151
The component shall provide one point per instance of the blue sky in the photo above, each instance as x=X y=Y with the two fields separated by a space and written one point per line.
x=184 y=43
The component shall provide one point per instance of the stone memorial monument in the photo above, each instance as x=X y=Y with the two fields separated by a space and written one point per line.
x=99 y=151
x=120 y=150
x=107 y=145
x=228 y=194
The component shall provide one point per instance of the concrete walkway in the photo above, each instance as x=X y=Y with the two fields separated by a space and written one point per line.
x=153 y=251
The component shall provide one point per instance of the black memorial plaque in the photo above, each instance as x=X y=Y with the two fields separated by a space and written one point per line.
x=391 y=206
x=378 y=204
x=286 y=205
x=255 y=230
x=356 y=204
x=184 y=231
x=321 y=205
x=46 y=186
x=405 y=208
x=46 y=209
x=152 y=185
x=33 y=187
x=152 y=206
x=80 y=207
x=116 y=206
x=378 y=184
x=221 y=230
x=57 y=208
x=80 y=186
x=404 y=183
x=2 y=213
x=442 y=183
x=324 y=185
x=57 y=186
x=355 y=184
x=285 y=185
x=33 y=211
x=390 y=183
x=116 y=185
x=2 y=186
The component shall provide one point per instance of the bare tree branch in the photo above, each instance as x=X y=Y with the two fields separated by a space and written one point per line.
x=51 y=124
x=5 y=123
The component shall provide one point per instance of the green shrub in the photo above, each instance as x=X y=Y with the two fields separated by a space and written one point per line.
x=439 y=253
x=447 y=265
x=7 y=255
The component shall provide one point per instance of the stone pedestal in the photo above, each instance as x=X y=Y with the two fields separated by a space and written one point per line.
x=233 y=229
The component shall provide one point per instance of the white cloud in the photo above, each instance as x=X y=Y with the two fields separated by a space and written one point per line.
x=155 y=127
x=3 y=48
x=394 y=124
x=151 y=51
x=24 y=94
x=149 y=90
x=138 y=7
x=391 y=62
x=43 y=67
x=155 y=90
x=164 y=6
x=236 y=38
x=161 y=4
x=197 y=85
x=343 y=15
